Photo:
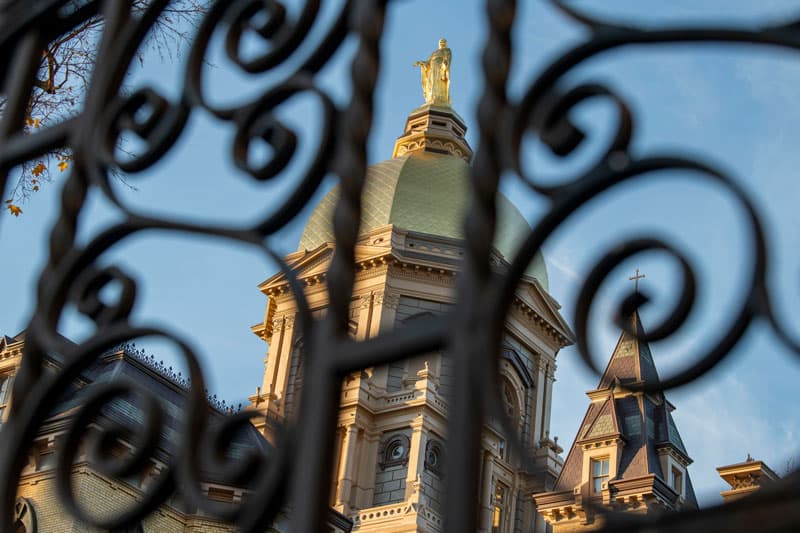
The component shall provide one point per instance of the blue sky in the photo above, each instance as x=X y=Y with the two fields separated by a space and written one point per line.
x=734 y=106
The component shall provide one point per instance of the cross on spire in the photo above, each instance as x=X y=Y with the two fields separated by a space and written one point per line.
x=635 y=278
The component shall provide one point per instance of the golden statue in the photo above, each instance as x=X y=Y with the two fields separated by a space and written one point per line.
x=436 y=75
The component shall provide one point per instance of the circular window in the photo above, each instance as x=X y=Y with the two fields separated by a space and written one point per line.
x=397 y=451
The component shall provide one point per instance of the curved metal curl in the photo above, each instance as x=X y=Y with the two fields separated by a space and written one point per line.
x=74 y=275
x=101 y=442
x=545 y=109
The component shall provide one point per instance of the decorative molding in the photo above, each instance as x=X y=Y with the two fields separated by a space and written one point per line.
x=532 y=317
x=392 y=443
x=390 y=300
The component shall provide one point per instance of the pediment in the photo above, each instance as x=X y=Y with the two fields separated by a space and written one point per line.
x=531 y=293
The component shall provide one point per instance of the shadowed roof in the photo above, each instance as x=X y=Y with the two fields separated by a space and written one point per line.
x=643 y=422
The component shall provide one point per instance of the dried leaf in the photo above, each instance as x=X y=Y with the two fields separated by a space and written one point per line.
x=39 y=169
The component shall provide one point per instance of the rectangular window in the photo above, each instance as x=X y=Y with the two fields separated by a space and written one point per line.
x=677 y=480
x=499 y=508
x=599 y=474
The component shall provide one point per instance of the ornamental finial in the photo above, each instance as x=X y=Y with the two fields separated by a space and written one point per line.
x=435 y=73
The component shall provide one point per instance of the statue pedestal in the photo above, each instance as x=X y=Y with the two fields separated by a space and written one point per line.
x=434 y=128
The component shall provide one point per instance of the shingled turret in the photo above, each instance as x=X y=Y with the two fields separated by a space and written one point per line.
x=628 y=453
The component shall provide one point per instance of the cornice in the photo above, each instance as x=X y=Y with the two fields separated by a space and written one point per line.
x=670 y=449
x=541 y=323
x=415 y=272
x=614 y=439
x=12 y=350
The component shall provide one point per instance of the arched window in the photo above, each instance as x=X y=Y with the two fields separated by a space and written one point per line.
x=434 y=457
x=509 y=401
x=24 y=517
x=394 y=451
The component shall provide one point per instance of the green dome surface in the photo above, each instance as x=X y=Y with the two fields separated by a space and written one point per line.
x=426 y=193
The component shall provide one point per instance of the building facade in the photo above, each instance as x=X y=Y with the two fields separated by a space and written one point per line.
x=39 y=507
x=392 y=421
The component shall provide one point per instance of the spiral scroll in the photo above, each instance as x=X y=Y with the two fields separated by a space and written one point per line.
x=299 y=464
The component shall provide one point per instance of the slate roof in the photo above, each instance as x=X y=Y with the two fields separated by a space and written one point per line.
x=631 y=361
x=643 y=422
x=125 y=366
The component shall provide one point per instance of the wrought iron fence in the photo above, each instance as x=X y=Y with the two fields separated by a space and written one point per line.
x=300 y=467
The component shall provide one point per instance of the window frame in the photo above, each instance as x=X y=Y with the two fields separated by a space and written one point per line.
x=391 y=443
x=500 y=506
x=676 y=479
x=602 y=476
x=434 y=446
x=6 y=383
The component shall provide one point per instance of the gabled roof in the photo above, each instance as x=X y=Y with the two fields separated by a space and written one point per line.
x=604 y=423
x=535 y=296
x=6 y=341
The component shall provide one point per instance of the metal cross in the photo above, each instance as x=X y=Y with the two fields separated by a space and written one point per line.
x=636 y=279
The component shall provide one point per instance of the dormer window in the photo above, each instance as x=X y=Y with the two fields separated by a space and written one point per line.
x=599 y=474
x=677 y=480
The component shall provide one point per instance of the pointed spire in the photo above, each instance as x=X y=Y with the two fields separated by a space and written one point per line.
x=635 y=431
x=632 y=361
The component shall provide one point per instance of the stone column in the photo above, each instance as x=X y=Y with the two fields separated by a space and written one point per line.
x=550 y=377
x=366 y=309
x=539 y=380
x=487 y=492
x=416 y=454
x=284 y=362
x=275 y=355
x=348 y=458
x=365 y=489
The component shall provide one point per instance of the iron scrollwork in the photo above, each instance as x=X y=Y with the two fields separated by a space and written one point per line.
x=299 y=465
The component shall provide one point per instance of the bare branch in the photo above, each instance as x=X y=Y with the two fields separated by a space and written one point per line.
x=64 y=76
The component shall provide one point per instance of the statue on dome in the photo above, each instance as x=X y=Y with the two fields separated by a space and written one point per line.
x=435 y=74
